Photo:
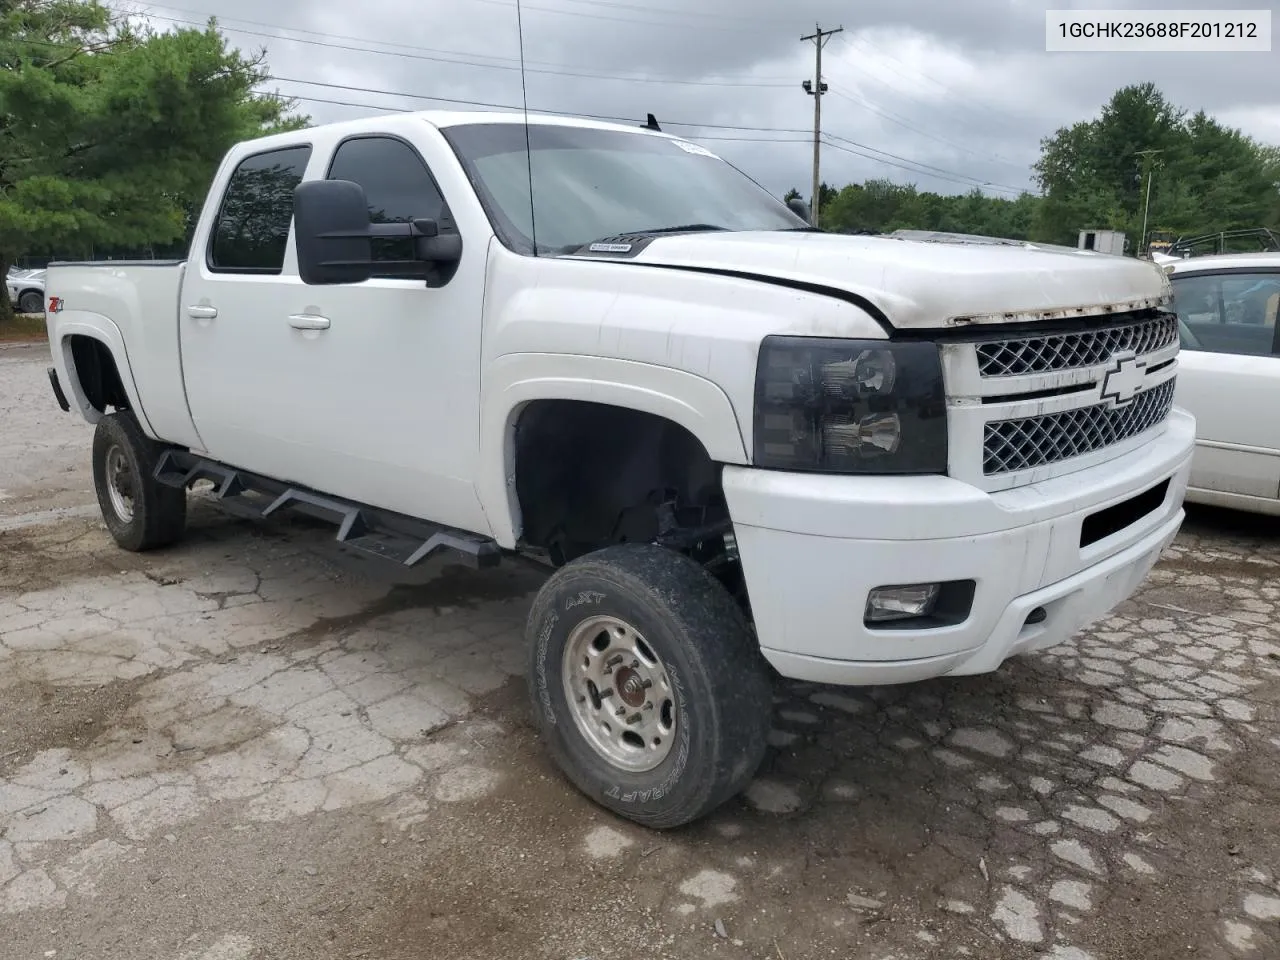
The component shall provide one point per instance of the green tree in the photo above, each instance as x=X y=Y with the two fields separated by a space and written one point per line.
x=109 y=133
x=1206 y=177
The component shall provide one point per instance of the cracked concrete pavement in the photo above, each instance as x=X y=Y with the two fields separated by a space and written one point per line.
x=254 y=745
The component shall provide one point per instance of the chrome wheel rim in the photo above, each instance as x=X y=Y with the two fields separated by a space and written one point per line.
x=120 y=485
x=619 y=694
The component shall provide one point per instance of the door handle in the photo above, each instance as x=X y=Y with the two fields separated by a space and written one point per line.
x=308 y=321
x=202 y=312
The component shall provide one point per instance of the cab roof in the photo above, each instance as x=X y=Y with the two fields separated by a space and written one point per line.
x=443 y=119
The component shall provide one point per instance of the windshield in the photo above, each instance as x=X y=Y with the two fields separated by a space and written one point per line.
x=590 y=184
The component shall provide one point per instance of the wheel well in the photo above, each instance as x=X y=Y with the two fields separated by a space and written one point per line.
x=95 y=368
x=589 y=475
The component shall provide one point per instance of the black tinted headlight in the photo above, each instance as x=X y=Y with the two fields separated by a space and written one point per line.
x=850 y=406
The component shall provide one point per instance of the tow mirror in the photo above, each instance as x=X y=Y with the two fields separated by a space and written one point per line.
x=331 y=224
x=335 y=238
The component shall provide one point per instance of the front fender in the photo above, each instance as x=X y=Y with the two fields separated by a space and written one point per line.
x=104 y=330
x=514 y=380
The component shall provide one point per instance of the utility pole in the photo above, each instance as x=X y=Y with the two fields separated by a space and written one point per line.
x=816 y=88
x=1149 y=163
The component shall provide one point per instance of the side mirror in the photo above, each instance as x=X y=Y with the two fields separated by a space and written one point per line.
x=331 y=227
x=800 y=209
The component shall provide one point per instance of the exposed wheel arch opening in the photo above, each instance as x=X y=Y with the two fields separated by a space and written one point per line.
x=95 y=369
x=589 y=475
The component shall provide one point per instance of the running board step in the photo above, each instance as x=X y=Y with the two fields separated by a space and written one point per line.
x=379 y=533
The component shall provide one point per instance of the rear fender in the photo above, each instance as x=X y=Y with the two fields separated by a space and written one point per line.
x=104 y=330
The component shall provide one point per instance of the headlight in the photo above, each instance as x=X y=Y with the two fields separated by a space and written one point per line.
x=850 y=406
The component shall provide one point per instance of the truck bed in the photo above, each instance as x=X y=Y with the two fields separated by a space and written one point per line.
x=133 y=303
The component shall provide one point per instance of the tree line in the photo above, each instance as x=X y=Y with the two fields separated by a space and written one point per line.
x=1205 y=177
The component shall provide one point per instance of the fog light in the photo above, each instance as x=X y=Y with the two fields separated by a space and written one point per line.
x=902 y=602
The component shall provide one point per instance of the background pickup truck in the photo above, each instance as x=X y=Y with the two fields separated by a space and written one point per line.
x=743 y=445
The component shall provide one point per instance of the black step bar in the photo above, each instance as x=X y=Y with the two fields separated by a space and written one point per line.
x=379 y=533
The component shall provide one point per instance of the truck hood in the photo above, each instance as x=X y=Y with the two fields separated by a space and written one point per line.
x=927 y=284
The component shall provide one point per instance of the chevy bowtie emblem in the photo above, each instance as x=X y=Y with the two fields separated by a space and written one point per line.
x=1123 y=381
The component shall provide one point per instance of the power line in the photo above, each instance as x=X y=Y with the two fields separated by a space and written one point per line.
x=892 y=118
x=706 y=137
x=908 y=166
x=468 y=63
x=388 y=43
x=918 y=74
x=371 y=106
x=449 y=57
x=940 y=170
x=512 y=106
x=916 y=166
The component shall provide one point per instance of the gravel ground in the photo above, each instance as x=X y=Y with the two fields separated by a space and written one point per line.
x=256 y=746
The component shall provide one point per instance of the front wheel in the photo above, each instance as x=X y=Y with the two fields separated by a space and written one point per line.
x=140 y=512
x=647 y=684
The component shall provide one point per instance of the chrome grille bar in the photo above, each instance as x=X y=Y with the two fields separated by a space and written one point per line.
x=1010 y=446
x=1018 y=356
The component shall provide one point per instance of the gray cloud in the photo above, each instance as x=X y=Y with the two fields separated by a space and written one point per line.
x=961 y=86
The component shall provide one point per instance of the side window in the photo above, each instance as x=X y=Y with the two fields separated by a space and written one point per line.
x=1229 y=312
x=397 y=184
x=252 y=229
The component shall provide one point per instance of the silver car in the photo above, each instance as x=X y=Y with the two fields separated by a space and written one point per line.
x=26 y=290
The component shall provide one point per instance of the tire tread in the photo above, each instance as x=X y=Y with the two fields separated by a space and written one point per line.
x=159 y=511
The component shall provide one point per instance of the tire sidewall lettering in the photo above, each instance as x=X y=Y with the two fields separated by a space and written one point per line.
x=592 y=597
x=544 y=686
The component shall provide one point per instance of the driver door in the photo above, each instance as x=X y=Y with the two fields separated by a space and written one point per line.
x=387 y=372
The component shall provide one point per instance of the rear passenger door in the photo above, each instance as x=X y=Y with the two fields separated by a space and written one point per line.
x=231 y=318
x=1229 y=378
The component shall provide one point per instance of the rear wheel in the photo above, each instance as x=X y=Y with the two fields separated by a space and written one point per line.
x=140 y=512
x=647 y=684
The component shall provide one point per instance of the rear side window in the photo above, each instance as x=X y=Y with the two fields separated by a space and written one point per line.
x=398 y=185
x=252 y=229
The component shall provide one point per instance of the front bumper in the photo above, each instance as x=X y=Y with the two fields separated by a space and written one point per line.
x=814 y=546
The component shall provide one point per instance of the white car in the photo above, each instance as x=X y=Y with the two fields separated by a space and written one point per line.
x=26 y=290
x=1230 y=376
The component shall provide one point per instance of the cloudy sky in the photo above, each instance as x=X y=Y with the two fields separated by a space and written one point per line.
x=946 y=94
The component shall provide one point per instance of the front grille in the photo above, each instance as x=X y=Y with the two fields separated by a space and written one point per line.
x=1066 y=351
x=1010 y=446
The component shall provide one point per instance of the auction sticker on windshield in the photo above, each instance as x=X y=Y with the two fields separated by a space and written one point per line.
x=694 y=149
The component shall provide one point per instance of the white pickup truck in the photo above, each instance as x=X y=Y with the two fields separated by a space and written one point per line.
x=743 y=445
